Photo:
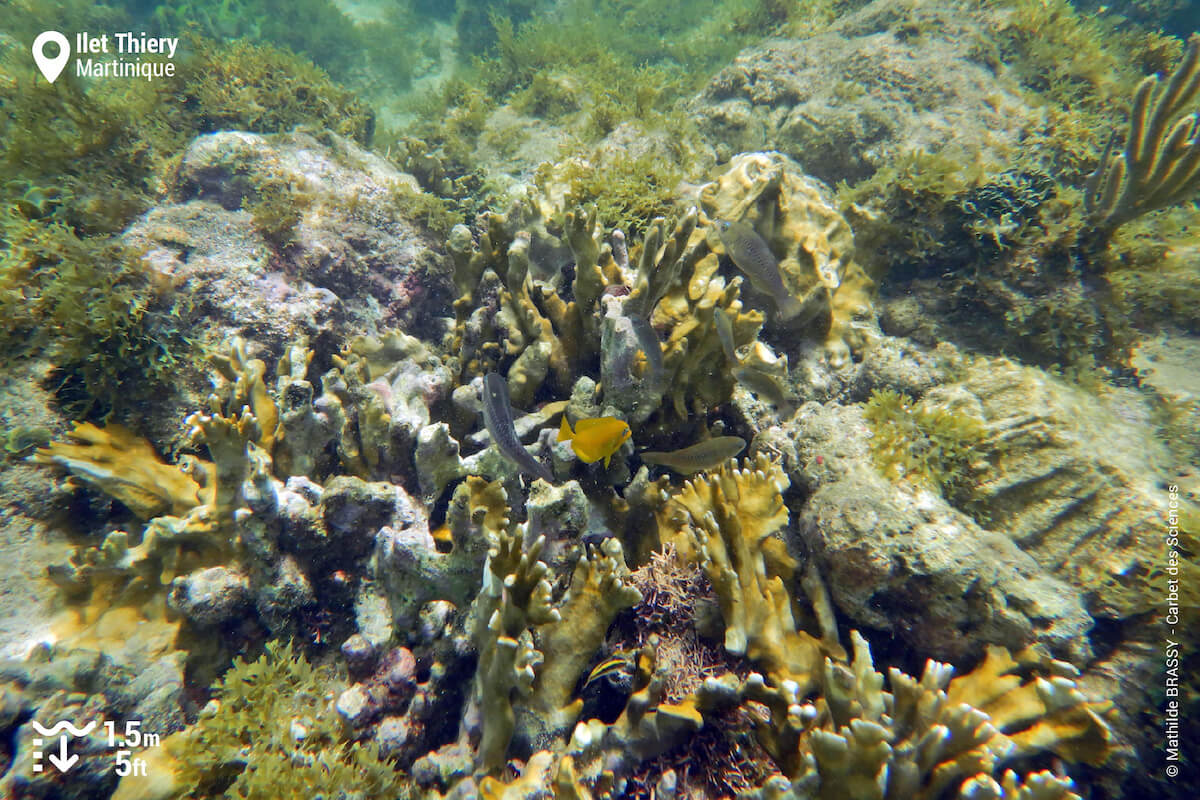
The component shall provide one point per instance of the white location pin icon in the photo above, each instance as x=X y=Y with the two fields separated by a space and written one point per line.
x=51 y=67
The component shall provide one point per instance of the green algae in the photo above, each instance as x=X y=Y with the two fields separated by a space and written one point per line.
x=925 y=444
x=277 y=207
x=354 y=53
x=84 y=159
x=589 y=67
x=272 y=731
x=112 y=328
x=627 y=193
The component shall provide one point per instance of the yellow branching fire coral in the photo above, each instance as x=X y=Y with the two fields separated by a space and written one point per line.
x=515 y=597
x=125 y=466
x=646 y=316
x=533 y=651
x=927 y=736
x=827 y=723
x=598 y=755
x=240 y=431
x=685 y=290
x=729 y=521
x=508 y=309
x=187 y=503
x=600 y=589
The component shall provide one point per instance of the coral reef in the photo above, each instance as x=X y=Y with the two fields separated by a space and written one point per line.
x=729 y=521
x=115 y=461
x=1031 y=436
x=358 y=560
x=891 y=78
x=797 y=220
x=518 y=316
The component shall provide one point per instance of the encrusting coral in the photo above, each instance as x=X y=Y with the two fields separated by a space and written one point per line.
x=813 y=241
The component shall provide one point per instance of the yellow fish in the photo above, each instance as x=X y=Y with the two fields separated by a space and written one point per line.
x=443 y=539
x=594 y=439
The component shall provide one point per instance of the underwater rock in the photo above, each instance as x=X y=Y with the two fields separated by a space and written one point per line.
x=561 y=513
x=209 y=597
x=28 y=549
x=282 y=235
x=387 y=691
x=1166 y=365
x=161 y=696
x=437 y=460
x=901 y=366
x=58 y=683
x=380 y=393
x=360 y=653
x=354 y=511
x=852 y=99
x=280 y=597
x=216 y=257
x=901 y=559
x=410 y=570
x=1076 y=480
x=91 y=777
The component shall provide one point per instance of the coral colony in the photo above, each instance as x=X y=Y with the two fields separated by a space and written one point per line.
x=790 y=424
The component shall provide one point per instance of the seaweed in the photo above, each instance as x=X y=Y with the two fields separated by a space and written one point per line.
x=926 y=444
x=112 y=328
x=627 y=193
x=315 y=29
x=589 y=66
x=83 y=159
x=262 y=89
x=271 y=731
x=277 y=209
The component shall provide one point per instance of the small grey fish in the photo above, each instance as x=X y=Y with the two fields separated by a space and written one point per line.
x=752 y=255
x=652 y=348
x=724 y=325
x=498 y=418
x=757 y=381
x=765 y=386
x=706 y=455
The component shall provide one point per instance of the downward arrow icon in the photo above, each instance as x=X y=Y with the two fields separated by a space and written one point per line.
x=62 y=761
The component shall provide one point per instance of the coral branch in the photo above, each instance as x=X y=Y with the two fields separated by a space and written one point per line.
x=1160 y=163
